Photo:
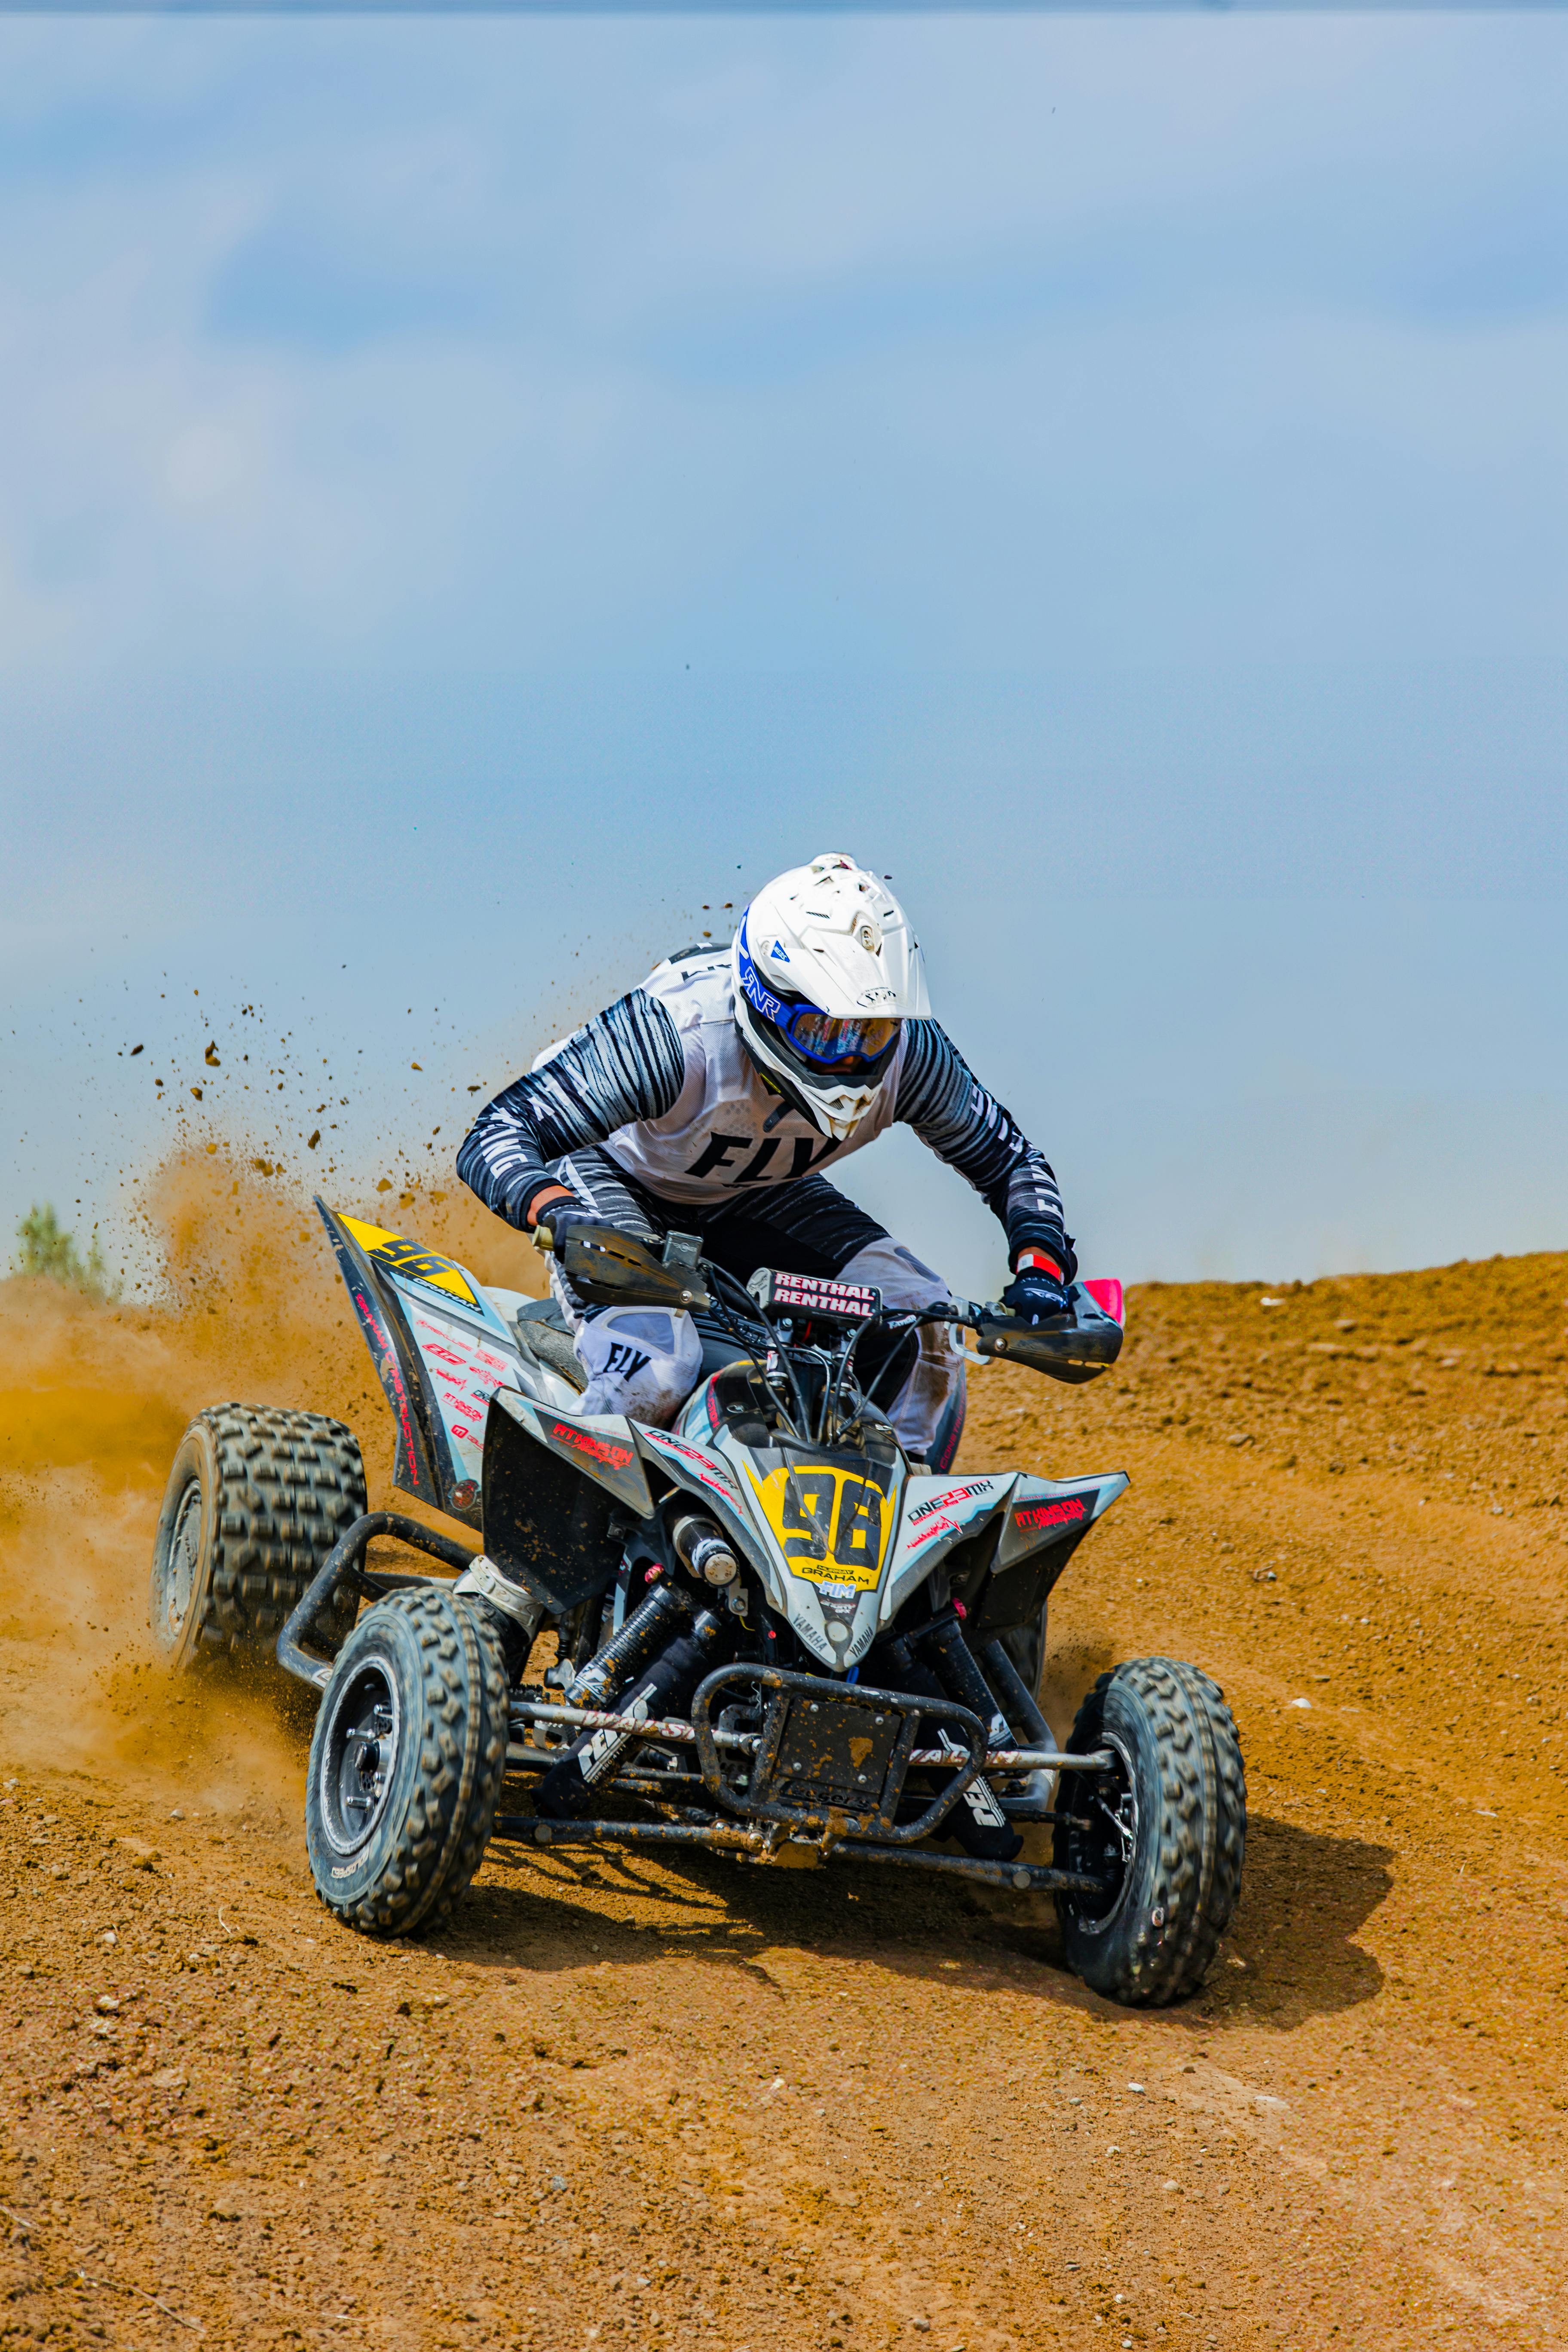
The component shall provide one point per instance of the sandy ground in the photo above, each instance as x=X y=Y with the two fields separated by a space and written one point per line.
x=648 y=2104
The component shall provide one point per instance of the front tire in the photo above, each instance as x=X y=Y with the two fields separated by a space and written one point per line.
x=1166 y=1832
x=406 y=1763
x=256 y=1500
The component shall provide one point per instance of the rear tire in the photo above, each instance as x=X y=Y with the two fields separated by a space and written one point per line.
x=256 y=1500
x=1169 y=1833
x=406 y=1763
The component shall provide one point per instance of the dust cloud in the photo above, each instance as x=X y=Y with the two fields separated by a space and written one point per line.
x=93 y=1400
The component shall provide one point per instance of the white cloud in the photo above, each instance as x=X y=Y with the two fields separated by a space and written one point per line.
x=774 y=342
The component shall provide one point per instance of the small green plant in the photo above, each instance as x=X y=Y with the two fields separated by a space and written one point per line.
x=48 y=1249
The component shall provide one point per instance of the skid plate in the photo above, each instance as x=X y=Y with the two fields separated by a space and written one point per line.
x=832 y=1756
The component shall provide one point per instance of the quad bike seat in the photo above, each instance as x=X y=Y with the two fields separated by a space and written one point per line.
x=544 y=1333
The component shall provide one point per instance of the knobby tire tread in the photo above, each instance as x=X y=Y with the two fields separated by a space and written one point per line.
x=1200 y=1836
x=462 y=1731
x=289 y=1485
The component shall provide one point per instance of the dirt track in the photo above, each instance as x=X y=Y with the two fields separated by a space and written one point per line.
x=708 y=2105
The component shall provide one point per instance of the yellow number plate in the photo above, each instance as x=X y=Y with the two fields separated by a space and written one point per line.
x=408 y=1259
x=833 y=1524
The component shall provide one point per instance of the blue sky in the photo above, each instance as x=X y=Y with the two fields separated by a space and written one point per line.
x=473 y=491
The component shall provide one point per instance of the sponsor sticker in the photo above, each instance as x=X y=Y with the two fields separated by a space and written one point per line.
x=832 y=1523
x=712 y=1473
x=807 y=1293
x=406 y=1259
x=953 y=1495
x=467 y=1375
x=602 y=1449
x=1066 y=1512
x=762 y=996
x=943 y=1526
x=391 y=1374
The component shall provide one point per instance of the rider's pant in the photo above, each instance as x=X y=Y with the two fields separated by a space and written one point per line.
x=644 y=1361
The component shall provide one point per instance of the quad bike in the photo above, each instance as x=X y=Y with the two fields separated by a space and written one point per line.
x=774 y=1634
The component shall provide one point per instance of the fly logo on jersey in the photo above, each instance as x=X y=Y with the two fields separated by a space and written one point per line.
x=717 y=1153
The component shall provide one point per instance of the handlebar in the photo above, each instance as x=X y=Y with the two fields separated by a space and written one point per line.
x=610 y=1268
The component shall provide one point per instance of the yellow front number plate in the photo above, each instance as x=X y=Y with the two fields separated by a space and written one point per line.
x=832 y=1523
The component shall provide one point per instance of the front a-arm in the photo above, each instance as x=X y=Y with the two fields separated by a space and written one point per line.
x=626 y=1064
x=941 y=1097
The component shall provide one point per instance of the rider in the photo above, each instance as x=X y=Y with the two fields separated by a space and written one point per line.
x=708 y=1101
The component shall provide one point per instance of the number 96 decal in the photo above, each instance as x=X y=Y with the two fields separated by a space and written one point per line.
x=832 y=1523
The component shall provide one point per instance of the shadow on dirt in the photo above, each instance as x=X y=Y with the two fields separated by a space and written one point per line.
x=1291 y=1955
x=1304 y=1896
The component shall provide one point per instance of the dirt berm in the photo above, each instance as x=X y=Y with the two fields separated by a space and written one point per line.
x=654 y=2107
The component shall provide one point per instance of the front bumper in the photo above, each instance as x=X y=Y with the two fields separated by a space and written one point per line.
x=827 y=1768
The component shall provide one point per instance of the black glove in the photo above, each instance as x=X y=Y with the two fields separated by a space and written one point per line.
x=558 y=1217
x=1035 y=1296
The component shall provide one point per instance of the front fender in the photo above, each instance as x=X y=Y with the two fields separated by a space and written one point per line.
x=711 y=1482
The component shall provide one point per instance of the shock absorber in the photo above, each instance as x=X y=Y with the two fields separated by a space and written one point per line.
x=645 y=1631
x=958 y=1671
x=566 y=1791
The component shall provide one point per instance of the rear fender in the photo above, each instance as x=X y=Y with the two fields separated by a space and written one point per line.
x=440 y=1350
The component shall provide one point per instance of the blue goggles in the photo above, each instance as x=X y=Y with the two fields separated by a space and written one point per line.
x=816 y=1036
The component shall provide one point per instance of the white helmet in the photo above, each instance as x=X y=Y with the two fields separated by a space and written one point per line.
x=825 y=969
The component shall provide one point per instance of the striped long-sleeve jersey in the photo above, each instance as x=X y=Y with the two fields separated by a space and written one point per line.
x=662 y=1081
